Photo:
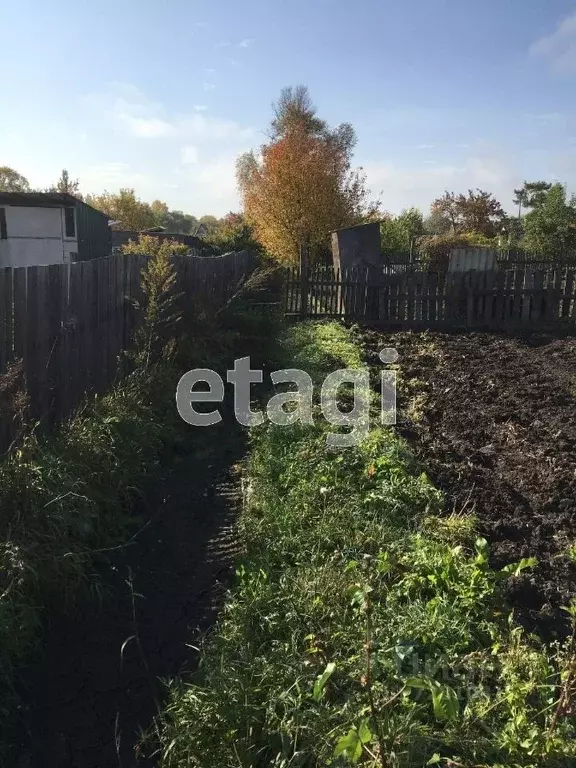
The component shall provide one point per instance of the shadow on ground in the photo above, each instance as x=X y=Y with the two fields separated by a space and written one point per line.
x=96 y=683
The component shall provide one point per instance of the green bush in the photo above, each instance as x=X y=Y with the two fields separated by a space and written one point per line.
x=435 y=249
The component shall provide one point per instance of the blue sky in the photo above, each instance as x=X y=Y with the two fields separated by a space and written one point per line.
x=162 y=97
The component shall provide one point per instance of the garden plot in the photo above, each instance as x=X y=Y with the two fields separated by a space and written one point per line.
x=493 y=417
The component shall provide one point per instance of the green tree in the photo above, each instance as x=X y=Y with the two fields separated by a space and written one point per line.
x=391 y=236
x=301 y=185
x=521 y=199
x=125 y=208
x=411 y=224
x=397 y=233
x=437 y=224
x=477 y=211
x=550 y=227
x=177 y=222
x=211 y=224
x=12 y=181
x=66 y=185
x=234 y=234
x=531 y=194
x=160 y=211
x=445 y=208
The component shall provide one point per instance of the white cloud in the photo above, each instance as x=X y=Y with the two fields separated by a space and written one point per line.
x=210 y=71
x=111 y=175
x=202 y=180
x=400 y=187
x=134 y=114
x=189 y=154
x=146 y=127
x=425 y=146
x=132 y=111
x=559 y=47
x=218 y=181
x=209 y=86
x=246 y=43
x=207 y=128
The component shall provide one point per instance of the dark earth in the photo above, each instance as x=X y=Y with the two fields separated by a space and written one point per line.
x=493 y=419
x=96 y=683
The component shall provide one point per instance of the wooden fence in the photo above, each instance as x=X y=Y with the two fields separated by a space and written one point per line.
x=498 y=299
x=69 y=322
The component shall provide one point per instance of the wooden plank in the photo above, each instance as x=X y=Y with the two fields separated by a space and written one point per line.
x=527 y=295
x=424 y=302
x=500 y=298
x=38 y=342
x=20 y=276
x=516 y=310
x=433 y=297
x=573 y=300
x=8 y=312
x=410 y=298
x=538 y=296
x=568 y=292
x=3 y=320
x=508 y=290
x=470 y=300
x=553 y=295
x=489 y=301
x=74 y=337
x=55 y=364
x=402 y=298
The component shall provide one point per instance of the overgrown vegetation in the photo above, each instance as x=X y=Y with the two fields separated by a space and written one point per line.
x=65 y=498
x=363 y=628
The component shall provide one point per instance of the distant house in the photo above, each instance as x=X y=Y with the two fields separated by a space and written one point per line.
x=121 y=237
x=201 y=231
x=50 y=228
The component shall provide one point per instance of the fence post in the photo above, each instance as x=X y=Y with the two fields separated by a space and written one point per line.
x=304 y=280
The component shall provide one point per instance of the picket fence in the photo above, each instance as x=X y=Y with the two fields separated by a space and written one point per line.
x=68 y=323
x=501 y=298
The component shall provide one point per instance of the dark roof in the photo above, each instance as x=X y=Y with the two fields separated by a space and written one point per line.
x=37 y=199
x=44 y=200
x=122 y=236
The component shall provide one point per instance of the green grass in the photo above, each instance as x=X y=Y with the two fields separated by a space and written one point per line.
x=64 y=496
x=362 y=627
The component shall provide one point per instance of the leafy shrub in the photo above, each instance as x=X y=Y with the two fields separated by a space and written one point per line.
x=435 y=249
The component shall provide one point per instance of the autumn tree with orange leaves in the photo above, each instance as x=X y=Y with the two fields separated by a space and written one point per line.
x=302 y=185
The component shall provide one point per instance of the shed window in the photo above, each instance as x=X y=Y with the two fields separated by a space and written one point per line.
x=3 y=230
x=69 y=222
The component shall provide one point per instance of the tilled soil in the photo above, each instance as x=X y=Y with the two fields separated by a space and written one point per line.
x=98 y=681
x=493 y=418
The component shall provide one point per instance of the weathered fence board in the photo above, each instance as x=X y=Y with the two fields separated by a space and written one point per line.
x=69 y=322
x=418 y=298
